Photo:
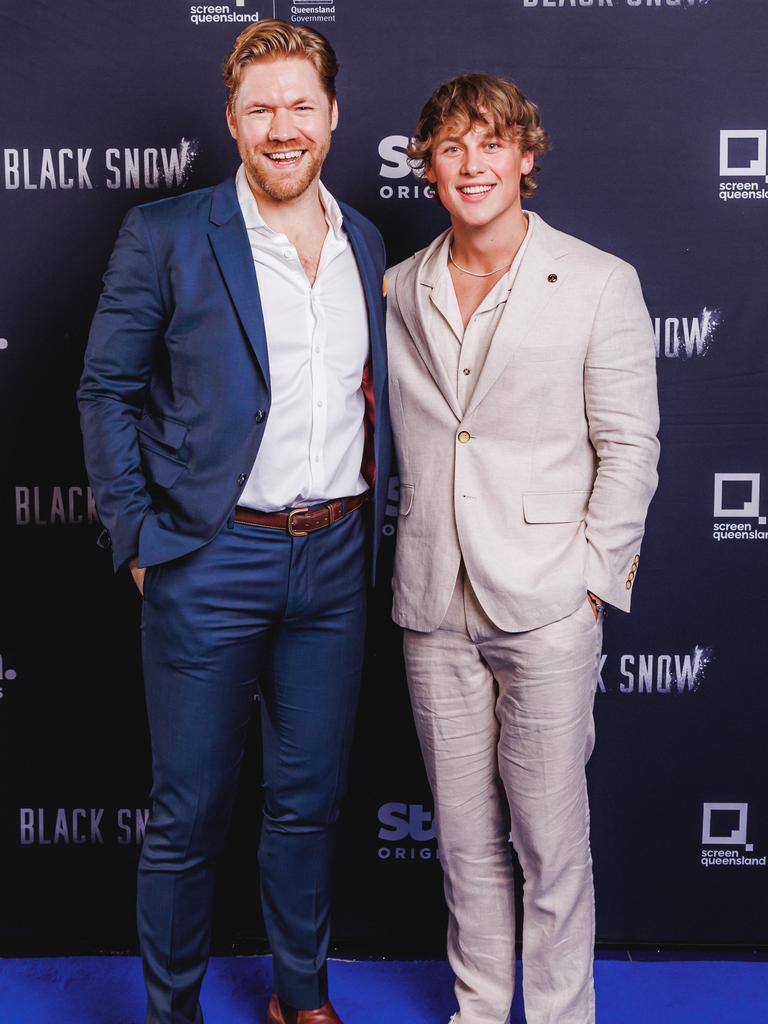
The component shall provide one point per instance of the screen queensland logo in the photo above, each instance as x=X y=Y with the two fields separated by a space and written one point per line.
x=737 y=508
x=239 y=12
x=725 y=837
x=402 y=179
x=83 y=168
x=743 y=164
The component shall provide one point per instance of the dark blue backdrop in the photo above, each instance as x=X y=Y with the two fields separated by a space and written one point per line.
x=658 y=112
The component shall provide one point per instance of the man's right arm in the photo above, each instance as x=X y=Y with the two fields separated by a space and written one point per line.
x=127 y=328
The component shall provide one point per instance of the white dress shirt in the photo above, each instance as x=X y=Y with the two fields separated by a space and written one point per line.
x=318 y=344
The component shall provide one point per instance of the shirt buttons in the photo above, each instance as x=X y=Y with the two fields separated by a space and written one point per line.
x=317 y=348
x=320 y=404
x=466 y=371
x=241 y=480
x=464 y=436
x=287 y=253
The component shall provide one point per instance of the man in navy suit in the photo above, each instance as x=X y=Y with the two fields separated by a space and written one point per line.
x=235 y=369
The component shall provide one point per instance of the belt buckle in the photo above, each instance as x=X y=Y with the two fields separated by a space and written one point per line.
x=291 y=530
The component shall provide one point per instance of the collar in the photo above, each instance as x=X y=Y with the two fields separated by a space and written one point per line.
x=435 y=267
x=255 y=222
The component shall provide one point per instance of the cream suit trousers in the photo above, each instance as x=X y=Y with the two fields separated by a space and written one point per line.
x=505 y=721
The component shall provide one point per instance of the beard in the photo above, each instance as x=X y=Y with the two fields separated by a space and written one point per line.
x=282 y=187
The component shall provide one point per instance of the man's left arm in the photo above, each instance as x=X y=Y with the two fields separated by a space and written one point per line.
x=623 y=415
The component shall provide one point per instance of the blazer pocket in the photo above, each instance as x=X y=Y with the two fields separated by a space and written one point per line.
x=160 y=467
x=406 y=499
x=555 y=506
x=162 y=431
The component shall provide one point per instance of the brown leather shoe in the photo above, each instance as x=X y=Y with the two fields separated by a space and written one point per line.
x=279 y=1013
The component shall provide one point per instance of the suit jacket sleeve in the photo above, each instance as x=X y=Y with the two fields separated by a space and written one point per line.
x=623 y=414
x=125 y=336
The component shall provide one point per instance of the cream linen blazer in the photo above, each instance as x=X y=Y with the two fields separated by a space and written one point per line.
x=543 y=482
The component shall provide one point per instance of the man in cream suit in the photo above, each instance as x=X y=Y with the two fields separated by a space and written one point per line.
x=524 y=408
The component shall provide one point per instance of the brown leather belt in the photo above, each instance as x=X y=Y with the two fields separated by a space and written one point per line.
x=298 y=522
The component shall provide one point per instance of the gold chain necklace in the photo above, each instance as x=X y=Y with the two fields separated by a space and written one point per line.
x=470 y=272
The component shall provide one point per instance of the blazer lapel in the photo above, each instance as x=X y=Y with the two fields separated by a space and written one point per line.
x=413 y=299
x=372 y=286
x=532 y=291
x=229 y=241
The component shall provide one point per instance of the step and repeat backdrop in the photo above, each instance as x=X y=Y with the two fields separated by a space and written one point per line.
x=658 y=111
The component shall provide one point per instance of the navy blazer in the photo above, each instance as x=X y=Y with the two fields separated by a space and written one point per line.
x=175 y=394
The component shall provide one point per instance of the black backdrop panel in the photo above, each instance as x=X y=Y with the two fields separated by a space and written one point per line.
x=658 y=113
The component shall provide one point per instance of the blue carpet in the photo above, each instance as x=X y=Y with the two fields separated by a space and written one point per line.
x=108 y=990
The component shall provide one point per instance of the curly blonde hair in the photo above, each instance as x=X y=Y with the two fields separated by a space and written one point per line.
x=481 y=99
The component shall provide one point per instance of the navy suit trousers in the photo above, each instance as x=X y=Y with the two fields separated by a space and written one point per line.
x=254 y=611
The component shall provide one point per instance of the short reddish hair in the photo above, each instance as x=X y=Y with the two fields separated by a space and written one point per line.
x=273 y=38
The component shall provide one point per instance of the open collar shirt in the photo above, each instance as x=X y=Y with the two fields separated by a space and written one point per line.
x=463 y=351
x=318 y=344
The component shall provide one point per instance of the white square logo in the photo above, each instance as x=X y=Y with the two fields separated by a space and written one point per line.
x=736 y=836
x=751 y=506
x=757 y=165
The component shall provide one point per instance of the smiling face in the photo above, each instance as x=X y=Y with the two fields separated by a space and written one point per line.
x=282 y=120
x=477 y=174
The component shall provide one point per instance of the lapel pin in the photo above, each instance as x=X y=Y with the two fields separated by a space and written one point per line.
x=552 y=278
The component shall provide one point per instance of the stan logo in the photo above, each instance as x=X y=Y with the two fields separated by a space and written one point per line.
x=737 y=495
x=409 y=824
x=723 y=829
x=6 y=675
x=393 y=504
x=395 y=166
x=743 y=155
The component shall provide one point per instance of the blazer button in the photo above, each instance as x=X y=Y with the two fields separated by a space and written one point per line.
x=241 y=480
x=464 y=436
x=260 y=416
